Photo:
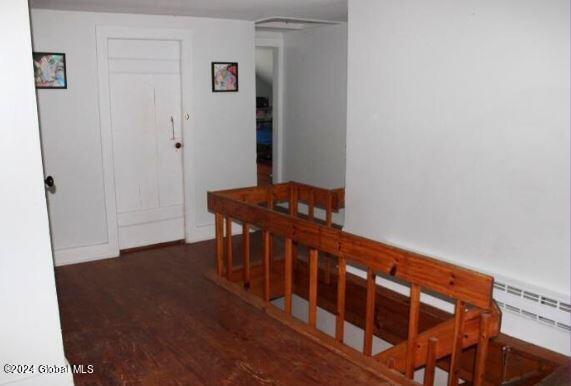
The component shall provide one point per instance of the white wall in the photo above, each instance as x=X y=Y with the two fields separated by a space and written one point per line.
x=458 y=137
x=29 y=326
x=315 y=105
x=223 y=145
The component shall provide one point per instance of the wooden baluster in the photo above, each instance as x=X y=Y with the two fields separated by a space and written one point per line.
x=219 y=228
x=430 y=361
x=311 y=205
x=328 y=209
x=266 y=263
x=412 y=330
x=391 y=363
x=246 y=254
x=312 y=287
x=293 y=195
x=341 y=283
x=482 y=352
x=293 y=210
x=370 y=312
x=288 y=277
x=456 y=343
x=228 y=248
x=270 y=198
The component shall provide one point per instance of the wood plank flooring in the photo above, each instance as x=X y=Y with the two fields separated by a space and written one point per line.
x=151 y=318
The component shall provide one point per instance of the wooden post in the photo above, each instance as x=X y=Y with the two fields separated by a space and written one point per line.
x=293 y=208
x=288 y=277
x=312 y=287
x=456 y=343
x=266 y=263
x=293 y=194
x=270 y=198
x=246 y=254
x=328 y=210
x=430 y=361
x=219 y=228
x=311 y=205
x=412 y=330
x=482 y=352
x=391 y=363
x=341 y=283
x=228 y=248
x=370 y=312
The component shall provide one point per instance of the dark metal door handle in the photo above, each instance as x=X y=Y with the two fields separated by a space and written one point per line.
x=178 y=145
x=49 y=181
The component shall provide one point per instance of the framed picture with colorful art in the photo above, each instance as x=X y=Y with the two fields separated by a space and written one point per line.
x=224 y=76
x=49 y=70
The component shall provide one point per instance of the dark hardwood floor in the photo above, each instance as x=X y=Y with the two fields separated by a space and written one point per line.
x=264 y=173
x=151 y=318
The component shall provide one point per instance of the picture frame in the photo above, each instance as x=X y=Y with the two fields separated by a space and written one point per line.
x=50 y=70
x=224 y=77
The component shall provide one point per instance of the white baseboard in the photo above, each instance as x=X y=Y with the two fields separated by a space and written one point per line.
x=138 y=235
x=207 y=232
x=200 y=233
x=84 y=254
x=106 y=251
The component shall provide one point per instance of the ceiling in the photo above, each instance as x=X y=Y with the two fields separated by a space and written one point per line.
x=228 y=9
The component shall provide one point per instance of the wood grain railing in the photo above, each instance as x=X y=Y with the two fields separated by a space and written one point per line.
x=275 y=210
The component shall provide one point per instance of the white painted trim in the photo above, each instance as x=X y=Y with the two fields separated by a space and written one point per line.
x=207 y=232
x=103 y=34
x=82 y=254
x=274 y=40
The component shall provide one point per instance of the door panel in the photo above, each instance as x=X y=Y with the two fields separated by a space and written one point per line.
x=134 y=141
x=168 y=105
x=145 y=98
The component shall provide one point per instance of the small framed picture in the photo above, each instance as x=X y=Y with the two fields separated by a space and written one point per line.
x=49 y=70
x=224 y=77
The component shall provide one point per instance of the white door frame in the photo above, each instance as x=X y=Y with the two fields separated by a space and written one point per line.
x=103 y=34
x=277 y=43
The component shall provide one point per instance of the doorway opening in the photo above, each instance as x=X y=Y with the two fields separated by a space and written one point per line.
x=265 y=128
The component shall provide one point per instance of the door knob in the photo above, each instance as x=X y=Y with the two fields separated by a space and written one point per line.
x=49 y=181
x=178 y=145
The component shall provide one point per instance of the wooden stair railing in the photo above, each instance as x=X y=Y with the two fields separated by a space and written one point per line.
x=476 y=317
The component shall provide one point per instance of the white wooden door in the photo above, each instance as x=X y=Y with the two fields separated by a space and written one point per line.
x=145 y=104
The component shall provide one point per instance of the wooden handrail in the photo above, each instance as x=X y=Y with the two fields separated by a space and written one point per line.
x=281 y=192
x=476 y=318
x=447 y=279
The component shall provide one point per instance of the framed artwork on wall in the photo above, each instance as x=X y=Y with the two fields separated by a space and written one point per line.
x=49 y=70
x=224 y=76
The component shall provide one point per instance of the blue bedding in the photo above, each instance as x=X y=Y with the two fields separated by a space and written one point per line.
x=264 y=135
